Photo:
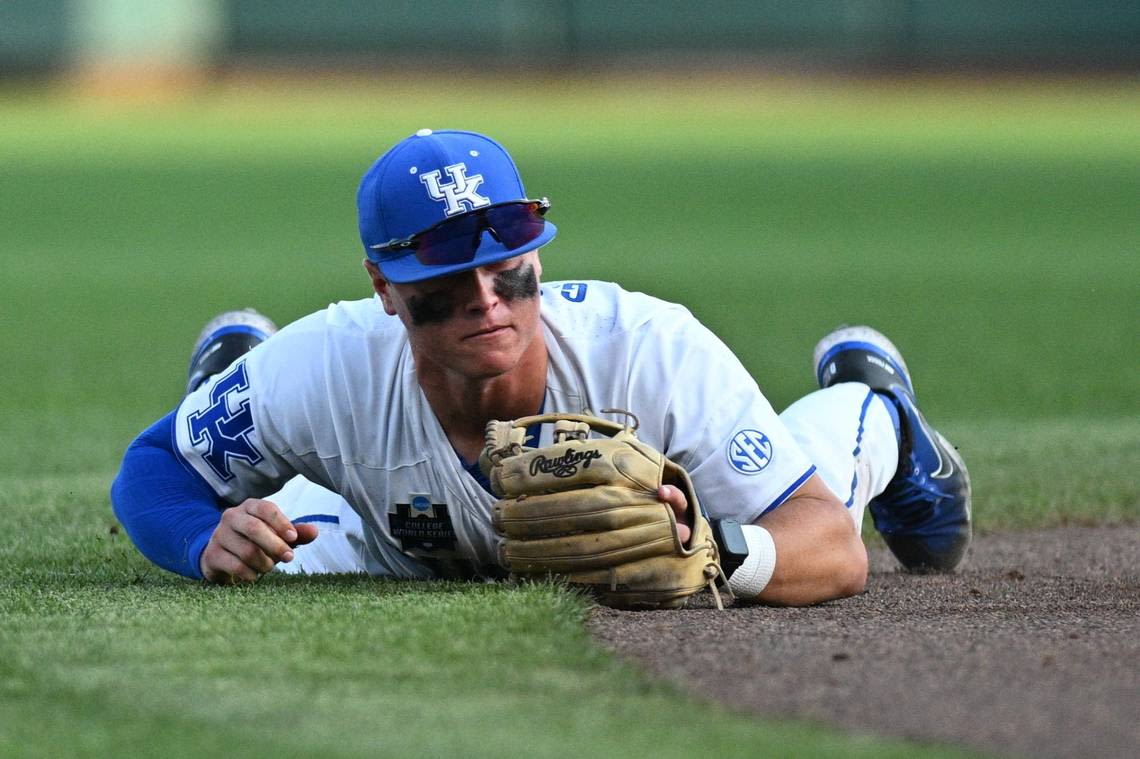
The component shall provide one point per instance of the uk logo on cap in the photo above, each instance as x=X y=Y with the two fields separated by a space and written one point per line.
x=460 y=194
x=427 y=178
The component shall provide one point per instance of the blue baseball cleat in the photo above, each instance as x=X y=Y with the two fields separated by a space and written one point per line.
x=924 y=512
x=224 y=339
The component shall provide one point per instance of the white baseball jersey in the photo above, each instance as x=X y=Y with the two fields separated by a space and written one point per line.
x=334 y=397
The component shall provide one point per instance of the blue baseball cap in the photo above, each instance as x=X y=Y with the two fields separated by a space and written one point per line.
x=428 y=178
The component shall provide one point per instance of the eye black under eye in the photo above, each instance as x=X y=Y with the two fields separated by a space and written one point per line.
x=516 y=283
x=430 y=308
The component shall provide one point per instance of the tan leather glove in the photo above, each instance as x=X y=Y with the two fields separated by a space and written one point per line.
x=585 y=509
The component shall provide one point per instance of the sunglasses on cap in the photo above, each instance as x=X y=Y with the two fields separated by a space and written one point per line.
x=455 y=240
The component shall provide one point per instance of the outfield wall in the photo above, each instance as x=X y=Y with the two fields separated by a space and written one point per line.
x=46 y=35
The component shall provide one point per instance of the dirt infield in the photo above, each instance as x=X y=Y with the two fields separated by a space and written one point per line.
x=1033 y=649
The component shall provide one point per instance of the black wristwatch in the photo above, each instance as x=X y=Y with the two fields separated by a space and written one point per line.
x=730 y=541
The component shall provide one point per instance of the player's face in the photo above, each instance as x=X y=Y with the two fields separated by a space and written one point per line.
x=478 y=323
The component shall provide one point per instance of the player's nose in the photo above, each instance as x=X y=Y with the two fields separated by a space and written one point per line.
x=481 y=296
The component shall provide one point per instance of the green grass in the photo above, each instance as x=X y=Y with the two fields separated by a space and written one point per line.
x=988 y=228
x=102 y=654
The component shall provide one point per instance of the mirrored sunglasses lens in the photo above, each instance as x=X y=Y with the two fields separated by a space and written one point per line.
x=452 y=243
x=516 y=224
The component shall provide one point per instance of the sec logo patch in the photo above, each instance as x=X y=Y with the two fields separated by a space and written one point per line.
x=749 y=451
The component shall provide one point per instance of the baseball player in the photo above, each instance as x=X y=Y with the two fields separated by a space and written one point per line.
x=350 y=439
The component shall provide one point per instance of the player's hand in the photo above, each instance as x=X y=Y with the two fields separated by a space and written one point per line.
x=675 y=499
x=249 y=541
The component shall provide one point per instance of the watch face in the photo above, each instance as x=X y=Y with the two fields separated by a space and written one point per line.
x=730 y=538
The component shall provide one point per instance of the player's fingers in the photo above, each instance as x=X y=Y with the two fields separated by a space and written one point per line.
x=221 y=567
x=676 y=500
x=240 y=570
x=672 y=495
x=306 y=533
x=251 y=527
x=268 y=512
x=250 y=552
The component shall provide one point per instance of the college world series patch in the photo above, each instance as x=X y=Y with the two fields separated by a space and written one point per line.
x=421 y=525
x=749 y=451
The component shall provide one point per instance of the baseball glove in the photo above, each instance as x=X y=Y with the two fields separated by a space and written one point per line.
x=586 y=510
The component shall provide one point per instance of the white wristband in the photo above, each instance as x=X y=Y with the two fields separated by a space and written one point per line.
x=753 y=575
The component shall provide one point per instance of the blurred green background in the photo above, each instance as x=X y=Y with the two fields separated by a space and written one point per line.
x=989 y=228
x=1084 y=35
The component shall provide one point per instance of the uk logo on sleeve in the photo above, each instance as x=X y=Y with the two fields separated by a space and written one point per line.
x=225 y=426
x=749 y=451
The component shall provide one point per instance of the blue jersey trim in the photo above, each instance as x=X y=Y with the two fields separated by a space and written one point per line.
x=477 y=473
x=859 y=446
x=327 y=518
x=791 y=489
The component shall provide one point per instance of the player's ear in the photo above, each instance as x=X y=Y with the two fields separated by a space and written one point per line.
x=382 y=287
